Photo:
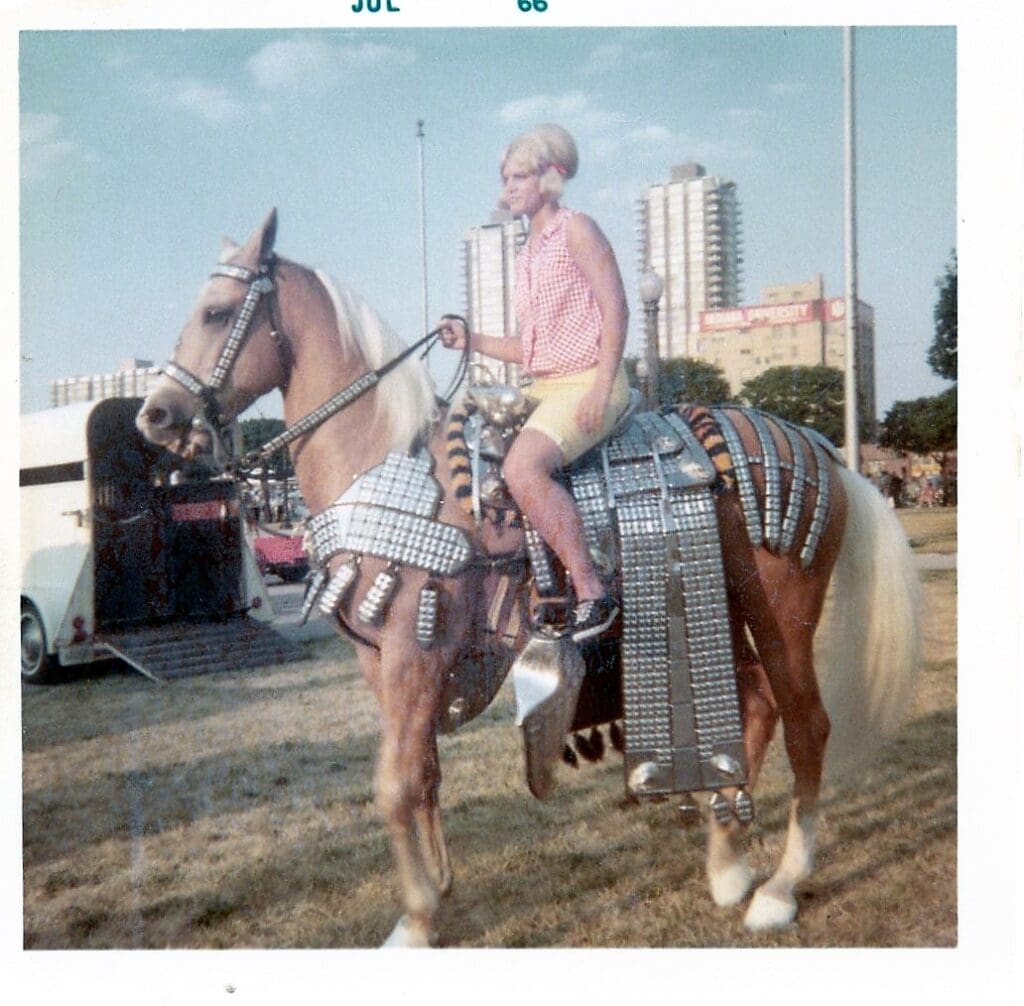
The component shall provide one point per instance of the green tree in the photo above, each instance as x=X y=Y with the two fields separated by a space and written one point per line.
x=256 y=432
x=683 y=379
x=807 y=396
x=925 y=426
x=942 y=354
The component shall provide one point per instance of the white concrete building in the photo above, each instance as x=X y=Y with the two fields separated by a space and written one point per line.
x=489 y=274
x=689 y=233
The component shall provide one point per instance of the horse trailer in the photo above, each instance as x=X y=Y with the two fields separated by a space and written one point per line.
x=128 y=551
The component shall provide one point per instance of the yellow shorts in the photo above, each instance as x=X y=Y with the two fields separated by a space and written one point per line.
x=559 y=398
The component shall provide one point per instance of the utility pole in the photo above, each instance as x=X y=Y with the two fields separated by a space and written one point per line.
x=850 y=206
x=423 y=224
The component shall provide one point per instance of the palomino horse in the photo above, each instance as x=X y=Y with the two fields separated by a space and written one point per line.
x=300 y=334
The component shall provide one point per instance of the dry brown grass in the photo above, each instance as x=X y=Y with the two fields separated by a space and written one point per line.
x=236 y=811
x=930 y=529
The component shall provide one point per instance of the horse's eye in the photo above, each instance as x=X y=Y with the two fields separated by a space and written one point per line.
x=217 y=315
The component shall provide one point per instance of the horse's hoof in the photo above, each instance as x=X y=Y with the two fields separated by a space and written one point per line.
x=729 y=886
x=407 y=934
x=770 y=911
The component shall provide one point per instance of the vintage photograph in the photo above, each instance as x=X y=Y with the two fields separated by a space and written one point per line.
x=488 y=486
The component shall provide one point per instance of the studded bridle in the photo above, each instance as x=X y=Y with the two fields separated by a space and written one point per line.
x=261 y=284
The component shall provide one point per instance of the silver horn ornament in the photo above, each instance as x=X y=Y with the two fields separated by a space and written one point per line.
x=547 y=677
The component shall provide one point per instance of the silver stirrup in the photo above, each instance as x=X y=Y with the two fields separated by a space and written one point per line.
x=546 y=677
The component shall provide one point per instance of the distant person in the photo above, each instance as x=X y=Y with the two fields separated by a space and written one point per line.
x=571 y=313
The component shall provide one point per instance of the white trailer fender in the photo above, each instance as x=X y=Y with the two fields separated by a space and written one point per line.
x=53 y=579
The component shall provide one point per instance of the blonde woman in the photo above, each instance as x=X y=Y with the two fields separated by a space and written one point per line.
x=571 y=315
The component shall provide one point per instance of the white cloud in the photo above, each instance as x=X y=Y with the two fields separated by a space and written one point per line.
x=209 y=101
x=610 y=138
x=617 y=56
x=213 y=103
x=575 y=110
x=648 y=134
x=38 y=127
x=744 y=116
x=44 y=148
x=313 y=64
x=605 y=56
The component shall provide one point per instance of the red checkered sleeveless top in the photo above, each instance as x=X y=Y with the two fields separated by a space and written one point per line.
x=558 y=317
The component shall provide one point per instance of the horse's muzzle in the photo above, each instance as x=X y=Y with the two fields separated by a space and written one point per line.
x=163 y=421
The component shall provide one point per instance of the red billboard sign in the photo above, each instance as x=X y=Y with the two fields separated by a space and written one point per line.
x=761 y=314
x=831 y=309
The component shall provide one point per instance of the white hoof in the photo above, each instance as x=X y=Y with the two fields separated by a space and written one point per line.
x=770 y=911
x=406 y=934
x=729 y=886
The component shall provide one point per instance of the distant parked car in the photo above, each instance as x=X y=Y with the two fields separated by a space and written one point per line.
x=282 y=555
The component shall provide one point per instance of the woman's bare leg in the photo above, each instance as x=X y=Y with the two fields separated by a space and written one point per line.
x=550 y=508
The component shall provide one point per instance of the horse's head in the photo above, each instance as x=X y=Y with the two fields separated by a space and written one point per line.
x=229 y=353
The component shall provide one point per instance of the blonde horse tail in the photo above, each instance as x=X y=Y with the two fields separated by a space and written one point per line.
x=869 y=638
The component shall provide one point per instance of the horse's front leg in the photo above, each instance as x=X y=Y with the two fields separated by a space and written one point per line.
x=429 y=830
x=407 y=780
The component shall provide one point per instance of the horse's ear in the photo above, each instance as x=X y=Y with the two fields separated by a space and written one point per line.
x=227 y=249
x=268 y=235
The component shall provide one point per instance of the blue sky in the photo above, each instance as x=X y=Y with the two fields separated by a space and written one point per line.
x=140 y=148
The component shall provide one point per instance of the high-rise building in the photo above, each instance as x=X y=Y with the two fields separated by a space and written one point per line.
x=689 y=233
x=133 y=378
x=489 y=273
x=795 y=325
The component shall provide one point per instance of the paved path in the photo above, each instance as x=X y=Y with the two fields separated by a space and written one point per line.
x=936 y=560
x=287 y=601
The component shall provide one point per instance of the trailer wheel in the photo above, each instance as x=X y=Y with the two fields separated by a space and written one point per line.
x=37 y=666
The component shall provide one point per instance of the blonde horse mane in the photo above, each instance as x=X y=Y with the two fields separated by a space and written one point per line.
x=407 y=400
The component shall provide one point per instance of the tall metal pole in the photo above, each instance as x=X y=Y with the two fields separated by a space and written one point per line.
x=423 y=225
x=651 y=354
x=850 y=201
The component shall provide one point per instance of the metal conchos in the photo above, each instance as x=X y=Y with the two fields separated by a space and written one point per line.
x=312 y=595
x=338 y=588
x=374 y=605
x=426 y=615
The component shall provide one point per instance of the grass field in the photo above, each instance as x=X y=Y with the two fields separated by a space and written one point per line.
x=236 y=810
x=930 y=529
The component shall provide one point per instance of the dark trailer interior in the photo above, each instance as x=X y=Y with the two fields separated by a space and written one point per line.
x=166 y=537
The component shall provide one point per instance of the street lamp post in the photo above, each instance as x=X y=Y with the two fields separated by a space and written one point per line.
x=651 y=287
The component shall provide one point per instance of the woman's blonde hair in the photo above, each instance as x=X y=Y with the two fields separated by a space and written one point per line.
x=549 y=150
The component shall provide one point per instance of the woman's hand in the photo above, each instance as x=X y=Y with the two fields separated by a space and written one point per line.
x=590 y=412
x=453 y=332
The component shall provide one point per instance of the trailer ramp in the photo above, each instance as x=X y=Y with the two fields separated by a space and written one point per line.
x=187 y=649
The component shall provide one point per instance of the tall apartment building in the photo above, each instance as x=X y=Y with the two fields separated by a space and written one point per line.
x=795 y=325
x=689 y=232
x=133 y=378
x=489 y=274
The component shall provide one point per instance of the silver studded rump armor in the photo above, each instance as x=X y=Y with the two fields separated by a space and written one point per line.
x=773 y=529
